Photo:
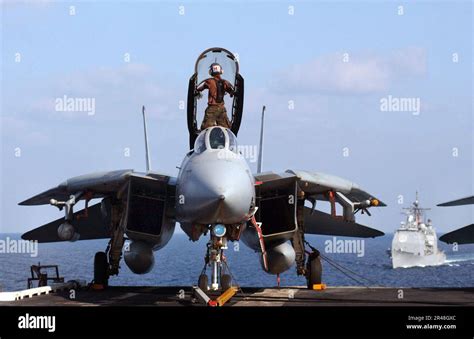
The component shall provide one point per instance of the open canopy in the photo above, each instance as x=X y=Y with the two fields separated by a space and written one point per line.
x=230 y=65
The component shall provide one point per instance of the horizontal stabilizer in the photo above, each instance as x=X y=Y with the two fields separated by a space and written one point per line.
x=464 y=235
x=459 y=202
x=317 y=222
x=94 y=226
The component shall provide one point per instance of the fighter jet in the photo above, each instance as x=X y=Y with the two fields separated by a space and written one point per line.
x=215 y=194
x=463 y=235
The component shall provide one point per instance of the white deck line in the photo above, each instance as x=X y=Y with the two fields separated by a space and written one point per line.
x=18 y=295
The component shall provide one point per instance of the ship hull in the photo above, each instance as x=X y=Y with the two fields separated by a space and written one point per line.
x=405 y=259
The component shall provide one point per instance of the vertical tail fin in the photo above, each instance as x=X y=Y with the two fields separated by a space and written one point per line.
x=260 y=150
x=147 y=154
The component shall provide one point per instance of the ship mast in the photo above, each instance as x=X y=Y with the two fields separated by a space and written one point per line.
x=416 y=210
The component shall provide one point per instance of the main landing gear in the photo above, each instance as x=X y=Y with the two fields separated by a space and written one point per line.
x=101 y=271
x=314 y=269
x=108 y=263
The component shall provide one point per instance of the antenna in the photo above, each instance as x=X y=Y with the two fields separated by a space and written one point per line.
x=260 y=150
x=147 y=154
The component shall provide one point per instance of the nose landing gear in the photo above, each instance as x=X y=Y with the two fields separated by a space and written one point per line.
x=216 y=260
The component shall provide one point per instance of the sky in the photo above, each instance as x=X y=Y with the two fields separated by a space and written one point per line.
x=322 y=69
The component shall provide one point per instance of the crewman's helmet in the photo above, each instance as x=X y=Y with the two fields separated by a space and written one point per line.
x=215 y=68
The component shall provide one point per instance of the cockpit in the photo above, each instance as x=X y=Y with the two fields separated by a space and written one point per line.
x=195 y=107
x=216 y=138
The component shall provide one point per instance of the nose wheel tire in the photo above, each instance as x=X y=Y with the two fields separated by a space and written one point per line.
x=101 y=265
x=314 y=270
x=203 y=282
x=226 y=282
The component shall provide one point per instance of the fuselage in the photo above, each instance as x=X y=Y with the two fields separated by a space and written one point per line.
x=215 y=184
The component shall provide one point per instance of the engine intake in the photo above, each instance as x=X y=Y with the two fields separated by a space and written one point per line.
x=146 y=214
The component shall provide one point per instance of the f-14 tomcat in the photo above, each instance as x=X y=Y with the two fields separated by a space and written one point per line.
x=215 y=194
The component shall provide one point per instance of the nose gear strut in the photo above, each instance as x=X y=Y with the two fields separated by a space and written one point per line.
x=216 y=260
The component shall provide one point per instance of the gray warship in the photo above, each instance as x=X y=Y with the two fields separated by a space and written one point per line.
x=415 y=243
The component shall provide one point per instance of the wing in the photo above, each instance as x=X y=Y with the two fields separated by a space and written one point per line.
x=317 y=185
x=143 y=205
x=279 y=219
x=94 y=185
x=464 y=235
x=459 y=202
x=98 y=184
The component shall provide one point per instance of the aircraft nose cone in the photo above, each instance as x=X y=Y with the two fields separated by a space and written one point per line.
x=208 y=195
x=215 y=192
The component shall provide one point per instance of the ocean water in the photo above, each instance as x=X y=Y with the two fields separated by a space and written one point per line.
x=181 y=261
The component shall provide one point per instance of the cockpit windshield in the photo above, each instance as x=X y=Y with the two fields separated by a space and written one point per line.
x=217 y=138
x=232 y=142
x=200 y=143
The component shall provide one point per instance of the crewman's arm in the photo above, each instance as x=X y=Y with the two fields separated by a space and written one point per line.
x=229 y=88
x=203 y=86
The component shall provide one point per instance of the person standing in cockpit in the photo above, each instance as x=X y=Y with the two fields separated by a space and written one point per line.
x=215 y=114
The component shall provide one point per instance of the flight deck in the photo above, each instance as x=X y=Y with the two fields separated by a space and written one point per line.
x=252 y=296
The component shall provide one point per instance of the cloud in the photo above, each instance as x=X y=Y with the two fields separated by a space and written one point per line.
x=359 y=74
x=301 y=107
x=115 y=90
x=408 y=61
x=36 y=3
x=30 y=116
x=22 y=132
